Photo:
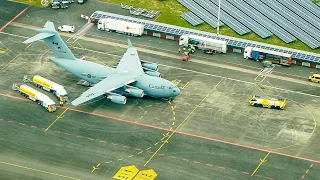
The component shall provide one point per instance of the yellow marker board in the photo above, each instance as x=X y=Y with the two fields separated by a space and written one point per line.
x=126 y=173
x=146 y=175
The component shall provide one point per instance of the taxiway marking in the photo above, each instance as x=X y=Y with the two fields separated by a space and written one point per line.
x=10 y=62
x=60 y=116
x=178 y=132
x=14 y=18
x=38 y=170
x=286 y=90
x=261 y=162
x=181 y=124
x=303 y=107
x=302 y=177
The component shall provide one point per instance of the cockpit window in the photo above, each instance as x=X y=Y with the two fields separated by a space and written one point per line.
x=170 y=87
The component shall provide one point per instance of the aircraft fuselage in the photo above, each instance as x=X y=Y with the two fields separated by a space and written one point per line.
x=92 y=72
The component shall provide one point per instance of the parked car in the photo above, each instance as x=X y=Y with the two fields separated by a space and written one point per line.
x=66 y=28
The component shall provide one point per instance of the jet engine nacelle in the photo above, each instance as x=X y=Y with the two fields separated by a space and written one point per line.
x=153 y=73
x=149 y=65
x=135 y=92
x=117 y=99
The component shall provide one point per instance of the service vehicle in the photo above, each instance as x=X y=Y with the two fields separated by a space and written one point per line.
x=203 y=43
x=260 y=54
x=315 y=78
x=49 y=86
x=81 y=1
x=36 y=96
x=66 y=28
x=55 y=4
x=260 y=101
x=118 y=26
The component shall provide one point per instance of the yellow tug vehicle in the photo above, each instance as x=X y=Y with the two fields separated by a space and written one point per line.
x=272 y=103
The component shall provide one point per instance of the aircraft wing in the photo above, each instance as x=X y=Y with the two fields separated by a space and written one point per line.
x=108 y=84
x=130 y=61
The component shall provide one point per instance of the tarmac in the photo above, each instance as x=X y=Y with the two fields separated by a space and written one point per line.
x=208 y=132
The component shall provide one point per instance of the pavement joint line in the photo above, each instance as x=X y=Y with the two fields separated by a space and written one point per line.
x=60 y=116
x=183 y=122
x=179 y=132
x=38 y=170
x=178 y=67
x=261 y=162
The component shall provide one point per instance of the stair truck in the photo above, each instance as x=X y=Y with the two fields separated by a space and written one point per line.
x=275 y=57
x=49 y=86
x=36 y=96
x=129 y=28
x=271 y=103
x=210 y=46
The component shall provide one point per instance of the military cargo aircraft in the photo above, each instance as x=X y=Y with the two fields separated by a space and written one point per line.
x=131 y=77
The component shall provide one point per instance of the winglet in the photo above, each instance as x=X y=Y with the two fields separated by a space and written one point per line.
x=129 y=44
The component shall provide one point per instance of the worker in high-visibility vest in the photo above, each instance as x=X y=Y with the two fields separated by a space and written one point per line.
x=193 y=49
x=61 y=101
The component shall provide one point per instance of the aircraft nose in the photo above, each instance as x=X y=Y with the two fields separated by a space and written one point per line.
x=177 y=91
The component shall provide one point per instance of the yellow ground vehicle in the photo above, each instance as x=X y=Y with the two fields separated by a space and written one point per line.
x=259 y=101
x=315 y=78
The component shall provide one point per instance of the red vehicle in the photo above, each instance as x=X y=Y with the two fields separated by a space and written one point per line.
x=185 y=56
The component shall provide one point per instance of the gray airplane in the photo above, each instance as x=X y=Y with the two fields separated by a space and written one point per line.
x=131 y=77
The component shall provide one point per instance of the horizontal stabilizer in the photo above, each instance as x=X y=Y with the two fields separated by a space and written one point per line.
x=38 y=37
x=129 y=44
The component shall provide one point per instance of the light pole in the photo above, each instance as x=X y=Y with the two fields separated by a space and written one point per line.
x=218 y=24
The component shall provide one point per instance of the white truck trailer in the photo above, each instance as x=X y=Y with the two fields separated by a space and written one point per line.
x=118 y=26
x=260 y=54
x=36 y=96
x=199 y=42
x=49 y=86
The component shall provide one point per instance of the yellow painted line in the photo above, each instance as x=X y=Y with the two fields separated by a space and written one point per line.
x=172 y=108
x=185 y=85
x=10 y=62
x=259 y=88
x=271 y=84
x=28 y=46
x=81 y=46
x=37 y=170
x=180 y=125
x=261 y=162
x=130 y=156
x=57 y=119
x=2 y=51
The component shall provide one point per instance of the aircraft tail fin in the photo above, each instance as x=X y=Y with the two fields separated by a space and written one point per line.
x=53 y=40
